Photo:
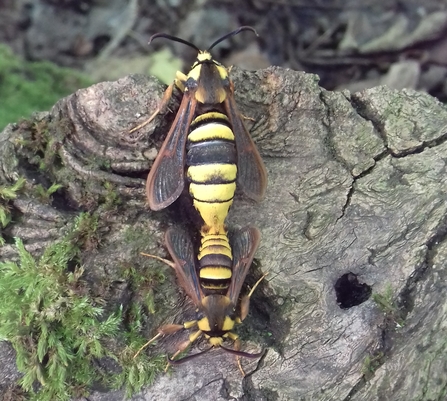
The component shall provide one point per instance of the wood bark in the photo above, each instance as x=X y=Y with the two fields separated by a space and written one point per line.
x=357 y=184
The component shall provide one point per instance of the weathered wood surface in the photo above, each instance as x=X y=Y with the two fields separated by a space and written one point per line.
x=357 y=183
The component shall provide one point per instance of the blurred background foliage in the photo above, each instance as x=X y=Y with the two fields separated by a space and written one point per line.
x=350 y=44
x=26 y=87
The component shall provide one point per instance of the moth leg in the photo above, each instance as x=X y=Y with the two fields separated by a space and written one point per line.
x=166 y=261
x=245 y=302
x=256 y=284
x=163 y=330
x=248 y=118
x=192 y=337
x=181 y=348
x=237 y=347
x=168 y=329
x=160 y=109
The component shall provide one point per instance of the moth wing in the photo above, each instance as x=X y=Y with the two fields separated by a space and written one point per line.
x=181 y=250
x=252 y=175
x=166 y=178
x=244 y=243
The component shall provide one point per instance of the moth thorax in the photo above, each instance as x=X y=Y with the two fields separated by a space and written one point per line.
x=217 y=310
x=212 y=82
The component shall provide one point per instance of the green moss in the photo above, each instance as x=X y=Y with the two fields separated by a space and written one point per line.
x=140 y=370
x=56 y=330
x=133 y=236
x=388 y=306
x=385 y=300
x=371 y=363
x=144 y=283
x=60 y=330
x=37 y=144
x=112 y=198
x=44 y=194
x=27 y=87
x=7 y=194
x=85 y=231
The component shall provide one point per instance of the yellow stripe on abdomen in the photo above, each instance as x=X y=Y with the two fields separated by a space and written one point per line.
x=214 y=250
x=211 y=131
x=212 y=115
x=215 y=243
x=212 y=192
x=213 y=239
x=212 y=172
x=215 y=273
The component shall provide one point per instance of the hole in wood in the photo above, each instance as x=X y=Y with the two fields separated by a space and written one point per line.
x=350 y=291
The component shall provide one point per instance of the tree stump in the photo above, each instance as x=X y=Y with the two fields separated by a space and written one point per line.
x=353 y=231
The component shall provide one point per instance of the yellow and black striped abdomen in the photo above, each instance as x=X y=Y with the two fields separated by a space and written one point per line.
x=215 y=262
x=211 y=172
x=211 y=169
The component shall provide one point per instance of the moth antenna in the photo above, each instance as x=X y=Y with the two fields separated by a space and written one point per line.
x=187 y=358
x=173 y=38
x=229 y=35
x=242 y=353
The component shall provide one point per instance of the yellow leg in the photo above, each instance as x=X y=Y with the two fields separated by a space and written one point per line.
x=237 y=347
x=162 y=331
x=245 y=302
x=257 y=283
x=148 y=343
x=166 y=261
x=248 y=118
x=239 y=365
x=192 y=337
x=161 y=108
x=179 y=351
x=181 y=348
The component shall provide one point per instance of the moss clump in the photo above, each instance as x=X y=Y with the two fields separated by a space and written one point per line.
x=388 y=306
x=7 y=194
x=144 y=284
x=140 y=370
x=27 y=87
x=56 y=329
x=60 y=330
x=85 y=231
x=111 y=200
x=44 y=195
x=371 y=363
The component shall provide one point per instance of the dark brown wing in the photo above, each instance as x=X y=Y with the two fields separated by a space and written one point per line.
x=182 y=252
x=244 y=243
x=252 y=175
x=166 y=179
